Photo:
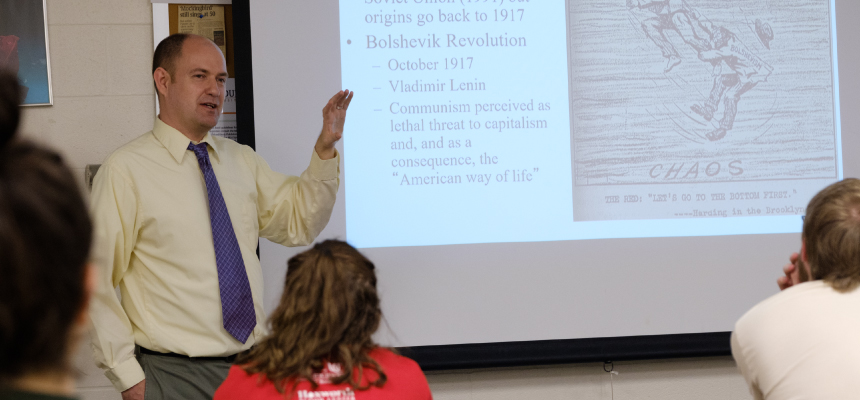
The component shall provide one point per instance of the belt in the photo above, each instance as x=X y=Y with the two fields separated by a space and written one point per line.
x=227 y=359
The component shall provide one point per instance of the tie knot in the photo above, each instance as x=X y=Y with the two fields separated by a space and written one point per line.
x=199 y=151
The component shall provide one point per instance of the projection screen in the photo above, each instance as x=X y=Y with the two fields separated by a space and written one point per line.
x=534 y=170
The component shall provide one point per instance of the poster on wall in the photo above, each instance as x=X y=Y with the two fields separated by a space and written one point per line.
x=24 y=48
x=206 y=20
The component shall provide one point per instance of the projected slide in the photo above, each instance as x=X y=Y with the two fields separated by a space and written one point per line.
x=700 y=108
x=482 y=121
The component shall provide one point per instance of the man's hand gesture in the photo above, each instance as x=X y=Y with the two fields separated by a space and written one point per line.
x=334 y=115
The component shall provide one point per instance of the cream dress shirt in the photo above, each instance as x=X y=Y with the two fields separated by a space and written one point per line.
x=802 y=343
x=154 y=242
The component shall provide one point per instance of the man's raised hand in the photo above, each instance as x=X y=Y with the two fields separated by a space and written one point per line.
x=334 y=115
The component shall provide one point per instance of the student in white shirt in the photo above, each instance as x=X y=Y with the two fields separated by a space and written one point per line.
x=802 y=343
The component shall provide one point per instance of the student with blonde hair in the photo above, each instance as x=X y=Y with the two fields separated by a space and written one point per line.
x=802 y=342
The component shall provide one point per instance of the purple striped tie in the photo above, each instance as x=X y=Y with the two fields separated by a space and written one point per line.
x=237 y=305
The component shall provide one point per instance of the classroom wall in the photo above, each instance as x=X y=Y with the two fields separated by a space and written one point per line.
x=101 y=54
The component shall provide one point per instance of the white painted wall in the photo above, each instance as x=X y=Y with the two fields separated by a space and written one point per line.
x=101 y=54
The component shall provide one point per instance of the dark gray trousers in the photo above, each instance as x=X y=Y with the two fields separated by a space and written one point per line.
x=169 y=377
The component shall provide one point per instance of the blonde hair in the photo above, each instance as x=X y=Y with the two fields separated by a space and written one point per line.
x=831 y=231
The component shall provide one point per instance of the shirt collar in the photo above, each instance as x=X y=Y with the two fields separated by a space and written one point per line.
x=177 y=144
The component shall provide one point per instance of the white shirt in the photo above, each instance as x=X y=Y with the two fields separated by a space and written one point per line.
x=802 y=343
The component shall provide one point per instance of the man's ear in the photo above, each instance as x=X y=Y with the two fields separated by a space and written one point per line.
x=804 y=262
x=162 y=80
x=803 y=255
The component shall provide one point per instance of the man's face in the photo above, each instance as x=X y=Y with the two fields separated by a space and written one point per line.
x=196 y=93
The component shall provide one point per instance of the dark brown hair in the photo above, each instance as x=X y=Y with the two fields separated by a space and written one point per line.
x=831 y=231
x=45 y=235
x=10 y=113
x=167 y=52
x=328 y=312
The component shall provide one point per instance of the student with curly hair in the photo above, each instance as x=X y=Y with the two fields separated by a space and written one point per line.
x=320 y=346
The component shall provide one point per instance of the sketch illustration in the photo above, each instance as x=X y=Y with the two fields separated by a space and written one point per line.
x=715 y=45
x=674 y=81
x=701 y=92
x=666 y=19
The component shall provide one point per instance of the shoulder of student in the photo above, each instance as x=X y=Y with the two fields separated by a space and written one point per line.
x=389 y=359
x=791 y=306
x=238 y=382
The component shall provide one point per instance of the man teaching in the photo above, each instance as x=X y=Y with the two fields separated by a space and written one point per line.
x=178 y=214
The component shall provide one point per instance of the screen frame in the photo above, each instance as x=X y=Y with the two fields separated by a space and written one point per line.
x=498 y=354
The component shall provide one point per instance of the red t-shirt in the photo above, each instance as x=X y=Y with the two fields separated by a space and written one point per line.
x=405 y=382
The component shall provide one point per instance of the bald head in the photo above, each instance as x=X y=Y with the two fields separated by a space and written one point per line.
x=169 y=51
